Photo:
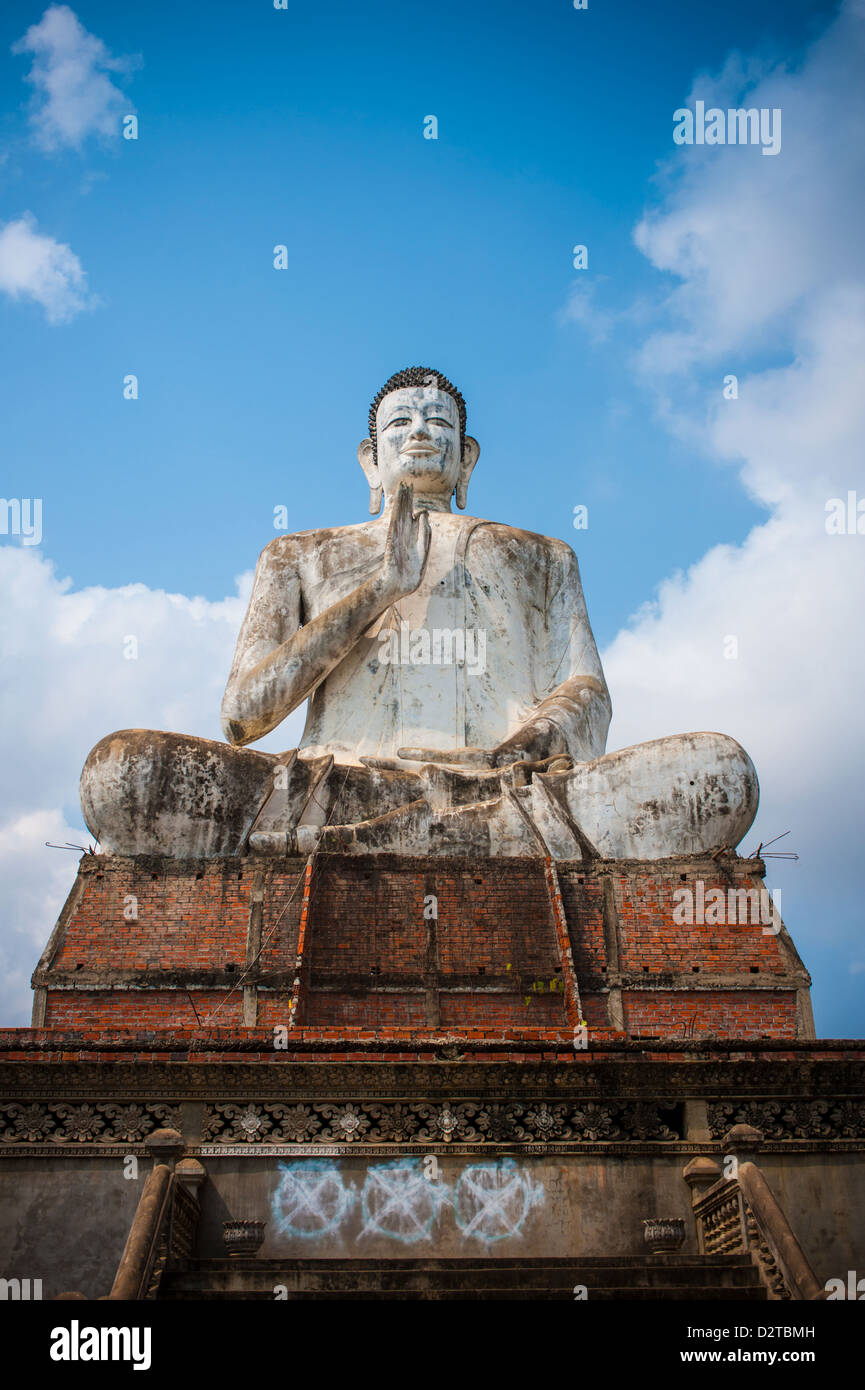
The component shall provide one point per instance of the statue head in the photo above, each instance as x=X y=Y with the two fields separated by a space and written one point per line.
x=417 y=434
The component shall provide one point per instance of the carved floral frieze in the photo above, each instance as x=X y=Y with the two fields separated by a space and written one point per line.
x=781 y=1119
x=466 y=1122
x=39 y=1122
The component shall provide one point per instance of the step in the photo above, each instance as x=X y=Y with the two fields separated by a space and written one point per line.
x=612 y=1277
x=433 y=1262
x=676 y=1293
x=389 y=1280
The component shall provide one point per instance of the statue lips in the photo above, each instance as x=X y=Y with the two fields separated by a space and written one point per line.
x=419 y=450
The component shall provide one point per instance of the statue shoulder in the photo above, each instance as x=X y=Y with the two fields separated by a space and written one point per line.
x=293 y=547
x=547 y=549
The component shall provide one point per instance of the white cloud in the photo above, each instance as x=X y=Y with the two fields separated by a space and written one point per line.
x=35 y=266
x=750 y=239
x=71 y=686
x=36 y=881
x=74 y=96
x=769 y=258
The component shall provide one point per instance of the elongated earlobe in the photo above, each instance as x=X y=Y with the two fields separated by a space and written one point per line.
x=366 y=459
x=471 y=453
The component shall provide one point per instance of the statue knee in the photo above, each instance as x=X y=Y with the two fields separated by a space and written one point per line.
x=147 y=791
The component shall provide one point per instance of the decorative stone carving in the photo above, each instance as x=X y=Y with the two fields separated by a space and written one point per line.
x=664 y=1235
x=243 y=1238
x=778 y=1119
x=466 y=1122
x=755 y=1084
x=82 y=1123
x=771 y=1274
x=723 y=1229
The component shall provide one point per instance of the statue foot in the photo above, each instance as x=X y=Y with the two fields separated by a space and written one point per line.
x=302 y=841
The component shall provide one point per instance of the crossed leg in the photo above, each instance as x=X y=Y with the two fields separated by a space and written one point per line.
x=146 y=792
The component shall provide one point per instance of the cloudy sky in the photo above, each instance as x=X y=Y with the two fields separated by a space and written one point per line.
x=603 y=386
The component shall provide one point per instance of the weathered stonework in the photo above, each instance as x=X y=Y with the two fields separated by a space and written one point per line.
x=514 y=944
x=456 y=699
x=448 y=979
x=556 y=1155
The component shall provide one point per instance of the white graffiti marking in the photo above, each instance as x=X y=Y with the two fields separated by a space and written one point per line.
x=492 y=1200
x=311 y=1198
x=399 y=1201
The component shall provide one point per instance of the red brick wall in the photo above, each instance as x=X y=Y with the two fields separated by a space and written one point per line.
x=595 y=1011
x=583 y=899
x=724 y=1013
x=141 y=1009
x=367 y=1010
x=280 y=917
x=490 y=960
x=493 y=935
x=186 y=920
x=651 y=942
x=653 y=947
x=363 y=917
x=489 y=1010
x=494 y=917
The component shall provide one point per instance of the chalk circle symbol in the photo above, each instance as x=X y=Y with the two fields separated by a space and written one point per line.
x=492 y=1200
x=399 y=1201
x=311 y=1198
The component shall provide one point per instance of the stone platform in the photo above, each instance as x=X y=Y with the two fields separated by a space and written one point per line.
x=374 y=944
x=392 y=1061
x=485 y=1152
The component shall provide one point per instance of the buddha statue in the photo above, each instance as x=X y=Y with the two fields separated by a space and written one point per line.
x=456 y=700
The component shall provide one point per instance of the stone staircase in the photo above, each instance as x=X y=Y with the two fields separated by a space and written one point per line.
x=650 y=1277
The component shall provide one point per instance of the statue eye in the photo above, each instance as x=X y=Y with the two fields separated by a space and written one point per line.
x=400 y=420
x=437 y=420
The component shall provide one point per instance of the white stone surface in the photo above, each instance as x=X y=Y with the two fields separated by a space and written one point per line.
x=451 y=672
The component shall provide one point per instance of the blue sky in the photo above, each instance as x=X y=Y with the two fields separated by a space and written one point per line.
x=260 y=127
x=306 y=129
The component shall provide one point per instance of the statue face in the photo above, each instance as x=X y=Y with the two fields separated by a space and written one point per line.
x=418 y=440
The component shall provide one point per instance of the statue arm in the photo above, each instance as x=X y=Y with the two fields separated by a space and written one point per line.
x=278 y=662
